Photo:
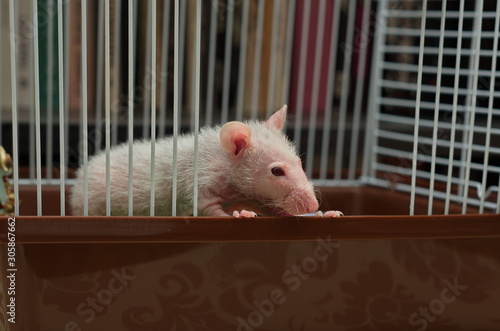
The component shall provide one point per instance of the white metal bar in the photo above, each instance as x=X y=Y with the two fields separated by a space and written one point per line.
x=395 y=66
x=182 y=57
x=177 y=98
x=399 y=31
x=402 y=120
x=360 y=84
x=242 y=60
x=304 y=36
x=478 y=28
x=379 y=150
x=436 y=14
x=62 y=95
x=257 y=59
x=130 y=105
x=197 y=105
x=436 y=110
x=227 y=61
x=318 y=54
x=164 y=67
x=153 y=108
x=100 y=79
x=344 y=98
x=13 y=77
x=417 y=109
x=430 y=50
x=31 y=108
x=209 y=105
x=421 y=191
x=288 y=50
x=430 y=105
x=49 y=133
x=85 y=128
x=431 y=88
x=273 y=55
x=36 y=81
x=490 y=110
x=330 y=88
x=107 y=106
x=116 y=104
x=146 y=113
x=66 y=62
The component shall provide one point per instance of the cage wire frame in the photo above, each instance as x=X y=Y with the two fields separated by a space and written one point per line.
x=416 y=118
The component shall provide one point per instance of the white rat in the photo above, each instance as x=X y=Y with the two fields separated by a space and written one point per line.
x=238 y=161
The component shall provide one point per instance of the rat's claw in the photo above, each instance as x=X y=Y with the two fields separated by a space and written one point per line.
x=330 y=213
x=244 y=214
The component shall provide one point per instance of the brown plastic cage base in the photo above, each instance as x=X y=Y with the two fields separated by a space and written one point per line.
x=384 y=272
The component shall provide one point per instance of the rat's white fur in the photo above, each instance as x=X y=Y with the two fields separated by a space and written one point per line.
x=222 y=175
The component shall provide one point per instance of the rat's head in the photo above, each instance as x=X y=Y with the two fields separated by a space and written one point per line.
x=266 y=166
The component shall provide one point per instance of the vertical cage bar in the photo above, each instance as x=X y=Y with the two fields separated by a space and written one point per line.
x=272 y=66
x=417 y=108
x=13 y=77
x=304 y=38
x=358 y=94
x=318 y=54
x=50 y=102
x=369 y=157
x=116 y=104
x=100 y=80
x=164 y=68
x=182 y=54
x=344 y=97
x=197 y=105
x=85 y=110
x=287 y=67
x=36 y=80
x=66 y=61
x=330 y=88
x=436 y=109
x=130 y=106
x=176 y=105
x=227 y=61
x=62 y=127
x=107 y=106
x=478 y=28
x=257 y=58
x=31 y=114
x=146 y=114
x=32 y=129
x=209 y=106
x=153 y=107
x=242 y=61
x=454 y=108
x=494 y=60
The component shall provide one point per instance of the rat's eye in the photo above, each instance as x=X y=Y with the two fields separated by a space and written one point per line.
x=277 y=171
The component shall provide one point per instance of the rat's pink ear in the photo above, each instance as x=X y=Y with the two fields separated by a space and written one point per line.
x=277 y=120
x=235 y=137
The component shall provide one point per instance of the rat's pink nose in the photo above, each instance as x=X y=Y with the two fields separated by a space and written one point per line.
x=313 y=205
x=302 y=201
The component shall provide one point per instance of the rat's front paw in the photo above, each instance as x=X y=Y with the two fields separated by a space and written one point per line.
x=244 y=214
x=330 y=213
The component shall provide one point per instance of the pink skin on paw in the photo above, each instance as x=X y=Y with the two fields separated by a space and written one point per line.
x=329 y=214
x=244 y=214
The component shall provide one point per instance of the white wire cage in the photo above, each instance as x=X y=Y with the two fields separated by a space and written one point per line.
x=395 y=94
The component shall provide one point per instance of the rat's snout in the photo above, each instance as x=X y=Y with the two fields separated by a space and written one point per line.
x=302 y=201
